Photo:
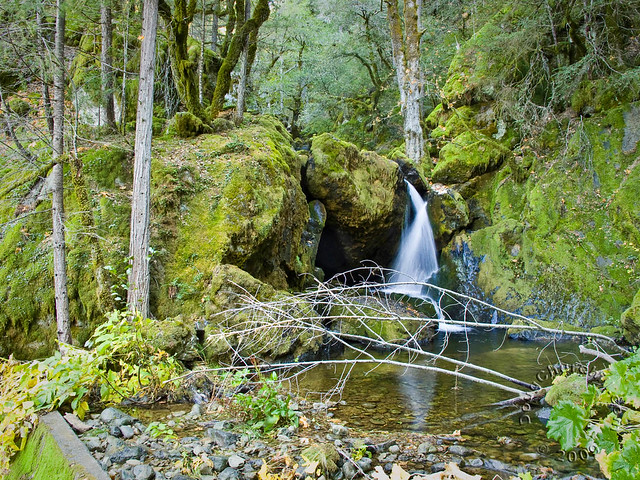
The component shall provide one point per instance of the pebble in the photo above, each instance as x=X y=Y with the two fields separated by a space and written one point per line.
x=474 y=462
x=339 y=430
x=127 y=432
x=222 y=438
x=229 y=474
x=143 y=472
x=349 y=470
x=219 y=462
x=460 y=450
x=394 y=449
x=236 y=461
x=128 y=453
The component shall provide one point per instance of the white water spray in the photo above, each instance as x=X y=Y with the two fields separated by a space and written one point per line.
x=416 y=260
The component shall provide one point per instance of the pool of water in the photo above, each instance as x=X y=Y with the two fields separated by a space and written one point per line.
x=391 y=398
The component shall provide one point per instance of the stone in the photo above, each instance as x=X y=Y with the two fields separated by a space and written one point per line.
x=394 y=449
x=492 y=464
x=366 y=464
x=127 y=432
x=229 y=474
x=115 y=431
x=128 y=453
x=460 y=450
x=236 y=461
x=92 y=443
x=349 y=470
x=223 y=438
x=339 y=430
x=143 y=472
x=219 y=462
x=110 y=414
x=474 y=462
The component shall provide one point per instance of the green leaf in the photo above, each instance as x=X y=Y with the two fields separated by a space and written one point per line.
x=566 y=424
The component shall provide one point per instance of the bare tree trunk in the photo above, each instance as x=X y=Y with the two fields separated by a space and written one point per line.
x=214 y=27
x=125 y=59
x=106 y=62
x=405 y=43
x=42 y=55
x=201 y=59
x=57 y=207
x=242 y=84
x=138 y=295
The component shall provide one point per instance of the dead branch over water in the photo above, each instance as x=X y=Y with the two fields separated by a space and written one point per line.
x=351 y=310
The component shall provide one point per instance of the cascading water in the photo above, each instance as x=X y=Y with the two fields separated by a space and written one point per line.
x=416 y=261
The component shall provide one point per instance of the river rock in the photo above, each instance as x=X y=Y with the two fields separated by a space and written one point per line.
x=236 y=461
x=143 y=472
x=460 y=450
x=474 y=462
x=339 y=430
x=219 y=462
x=349 y=470
x=229 y=474
x=492 y=464
x=223 y=438
x=128 y=453
x=111 y=414
x=364 y=197
x=365 y=463
x=127 y=432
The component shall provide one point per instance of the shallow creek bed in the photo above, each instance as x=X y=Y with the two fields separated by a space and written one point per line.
x=209 y=445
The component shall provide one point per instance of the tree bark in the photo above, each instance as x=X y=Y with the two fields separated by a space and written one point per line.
x=138 y=295
x=42 y=49
x=405 y=43
x=184 y=70
x=214 y=26
x=106 y=63
x=57 y=207
x=244 y=70
x=223 y=83
x=203 y=36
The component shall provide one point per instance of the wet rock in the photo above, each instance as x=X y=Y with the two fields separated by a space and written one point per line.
x=111 y=414
x=460 y=450
x=437 y=467
x=183 y=477
x=492 y=464
x=366 y=464
x=222 y=438
x=474 y=462
x=229 y=474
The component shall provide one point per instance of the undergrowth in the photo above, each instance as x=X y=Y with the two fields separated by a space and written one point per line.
x=116 y=364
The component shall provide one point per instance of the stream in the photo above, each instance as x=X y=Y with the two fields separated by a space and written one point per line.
x=391 y=399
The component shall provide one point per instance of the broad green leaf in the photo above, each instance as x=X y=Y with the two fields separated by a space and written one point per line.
x=566 y=424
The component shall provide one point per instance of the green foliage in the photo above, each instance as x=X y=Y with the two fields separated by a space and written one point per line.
x=267 y=408
x=120 y=364
x=606 y=421
x=159 y=429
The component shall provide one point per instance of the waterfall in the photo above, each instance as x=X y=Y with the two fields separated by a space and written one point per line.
x=416 y=260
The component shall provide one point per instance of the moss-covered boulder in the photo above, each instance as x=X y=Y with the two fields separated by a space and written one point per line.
x=365 y=199
x=630 y=321
x=564 y=229
x=448 y=212
x=246 y=332
x=567 y=388
x=468 y=155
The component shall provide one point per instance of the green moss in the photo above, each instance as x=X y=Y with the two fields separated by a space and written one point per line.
x=187 y=125
x=107 y=167
x=630 y=320
x=567 y=388
x=19 y=106
x=468 y=155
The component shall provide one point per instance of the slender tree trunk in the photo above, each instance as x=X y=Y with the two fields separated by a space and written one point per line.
x=57 y=208
x=203 y=36
x=125 y=59
x=106 y=62
x=138 y=295
x=244 y=70
x=249 y=27
x=405 y=43
x=42 y=55
x=214 y=26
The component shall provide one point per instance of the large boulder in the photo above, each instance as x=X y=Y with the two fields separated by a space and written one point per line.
x=365 y=198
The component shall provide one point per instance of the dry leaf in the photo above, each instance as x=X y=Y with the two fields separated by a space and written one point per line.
x=379 y=474
x=451 y=472
x=398 y=473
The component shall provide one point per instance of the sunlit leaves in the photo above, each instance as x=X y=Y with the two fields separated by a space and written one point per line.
x=566 y=424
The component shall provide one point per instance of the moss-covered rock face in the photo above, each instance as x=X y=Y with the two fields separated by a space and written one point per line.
x=233 y=198
x=365 y=198
x=630 y=321
x=243 y=206
x=468 y=155
x=564 y=230
x=226 y=335
x=448 y=213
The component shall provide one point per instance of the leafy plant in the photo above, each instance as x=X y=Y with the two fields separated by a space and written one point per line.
x=607 y=421
x=118 y=364
x=159 y=429
x=267 y=409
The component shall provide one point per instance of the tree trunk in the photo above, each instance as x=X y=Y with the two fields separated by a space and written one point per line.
x=244 y=70
x=57 y=206
x=405 y=43
x=106 y=60
x=214 y=26
x=203 y=36
x=42 y=49
x=125 y=59
x=223 y=83
x=138 y=295
x=184 y=70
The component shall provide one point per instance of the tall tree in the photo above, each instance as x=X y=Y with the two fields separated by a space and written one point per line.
x=405 y=42
x=57 y=207
x=106 y=64
x=245 y=30
x=244 y=68
x=138 y=295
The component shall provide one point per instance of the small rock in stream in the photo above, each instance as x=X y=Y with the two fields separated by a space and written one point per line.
x=460 y=450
